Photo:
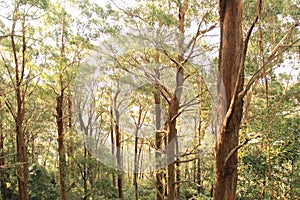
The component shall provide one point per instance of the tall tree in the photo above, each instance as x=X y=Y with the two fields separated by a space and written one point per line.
x=231 y=75
x=231 y=91
x=20 y=72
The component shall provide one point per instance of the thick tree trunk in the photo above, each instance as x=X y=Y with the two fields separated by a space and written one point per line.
x=230 y=62
x=173 y=114
x=61 y=146
x=173 y=111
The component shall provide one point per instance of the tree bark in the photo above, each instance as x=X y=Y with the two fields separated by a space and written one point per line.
x=172 y=134
x=158 y=140
x=22 y=155
x=112 y=136
x=70 y=125
x=60 y=118
x=136 y=152
x=119 y=161
x=231 y=73
x=61 y=145
x=2 y=163
x=174 y=108
x=118 y=146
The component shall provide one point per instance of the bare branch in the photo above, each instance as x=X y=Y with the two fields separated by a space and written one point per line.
x=185 y=161
x=233 y=151
x=269 y=58
x=194 y=39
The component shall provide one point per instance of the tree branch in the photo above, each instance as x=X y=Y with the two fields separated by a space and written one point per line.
x=269 y=58
x=233 y=151
x=241 y=69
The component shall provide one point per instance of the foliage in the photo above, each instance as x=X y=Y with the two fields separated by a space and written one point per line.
x=116 y=49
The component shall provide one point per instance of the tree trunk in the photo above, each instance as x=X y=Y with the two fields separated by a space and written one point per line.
x=22 y=157
x=158 y=140
x=136 y=170
x=118 y=147
x=85 y=174
x=70 y=126
x=178 y=179
x=2 y=163
x=22 y=170
x=230 y=62
x=119 y=162
x=112 y=137
x=173 y=111
x=61 y=145
x=173 y=114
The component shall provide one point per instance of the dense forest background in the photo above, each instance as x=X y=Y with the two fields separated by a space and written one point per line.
x=164 y=99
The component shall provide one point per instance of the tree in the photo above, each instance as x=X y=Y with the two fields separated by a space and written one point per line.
x=231 y=73
x=17 y=61
x=2 y=160
x=231 y=92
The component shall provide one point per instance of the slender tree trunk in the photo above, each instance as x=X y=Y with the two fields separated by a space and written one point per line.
x=137 y=151
x=118 y=146
x=61 y=145
x=198 y=137
x=60 y=118
x=136 y=170
x=22 y=155
x=2 y=163
x=85 y=176
x=112 y=136
x=119 y=161
x=231 y=72
x=33 y=150
x=70 y=125
x=198 y=176
x=22 y=171
x=158 y=140
x=178 y=179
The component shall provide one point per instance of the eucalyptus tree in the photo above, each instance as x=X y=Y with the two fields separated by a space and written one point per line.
x=18 y=58
x=173 y=42
x=69 y=30
x=231 y=66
